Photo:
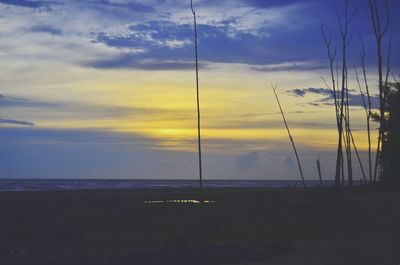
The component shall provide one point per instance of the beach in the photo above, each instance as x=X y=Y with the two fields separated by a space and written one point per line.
x=237 y=226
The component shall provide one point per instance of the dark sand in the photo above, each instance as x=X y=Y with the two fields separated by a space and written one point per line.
x=243 y=226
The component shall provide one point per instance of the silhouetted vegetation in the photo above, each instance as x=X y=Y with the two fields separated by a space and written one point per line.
x=367 y=103
x=340 y=93
x=380 y=26
x=391 y=143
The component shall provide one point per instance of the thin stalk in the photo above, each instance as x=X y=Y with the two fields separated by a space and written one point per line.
x=345 y=42
x=357 y=154
x=198 y=99
x=332 y=57
x=369 y=112
x=319 y=172
x=290 y=136
x=348 y=132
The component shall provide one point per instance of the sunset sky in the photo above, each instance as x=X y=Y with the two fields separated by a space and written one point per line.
x=106 y=88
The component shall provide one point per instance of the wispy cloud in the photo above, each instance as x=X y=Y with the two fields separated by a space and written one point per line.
x=355 y=99
x=75 y=109
x=290 y=66
x=131 y=6
x=16 y=122
x=46 y=29
x=268 y=34
x=25 y=3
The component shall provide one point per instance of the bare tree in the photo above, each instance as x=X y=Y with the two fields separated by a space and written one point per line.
x=367 y=106
x=198 y=98
x=290 y=136
x=334 y=90
x=344 y=101
x=341 y=94
x=351 y=136
x=380 y=26
x=335 y=94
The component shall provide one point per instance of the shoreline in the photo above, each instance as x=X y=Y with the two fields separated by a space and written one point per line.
x=18 y=185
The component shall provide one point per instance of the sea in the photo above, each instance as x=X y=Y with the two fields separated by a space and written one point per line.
x=20 y=185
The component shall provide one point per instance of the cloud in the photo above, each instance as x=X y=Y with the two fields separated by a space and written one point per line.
x=301 y=92
x=269 y=35
x=165 y=41
x=355 y=99
x=25 y=3
x=290 y=66
x=16 y=122
x=48 y=110
x=46 y=29
x=131 y=6
x=246 y=161
x=131 y=62
x=273 y=3
x=18 y=102
x=41 y=109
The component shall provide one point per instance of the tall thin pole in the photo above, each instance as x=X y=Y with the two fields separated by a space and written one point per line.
x=198 y=98
x=290 y=137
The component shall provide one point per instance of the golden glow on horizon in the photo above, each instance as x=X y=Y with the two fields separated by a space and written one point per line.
x=237 y=105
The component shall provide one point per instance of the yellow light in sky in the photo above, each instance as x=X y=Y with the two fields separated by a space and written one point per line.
x=237 y=105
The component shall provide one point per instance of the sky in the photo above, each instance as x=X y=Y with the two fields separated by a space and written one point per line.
x=106 y=88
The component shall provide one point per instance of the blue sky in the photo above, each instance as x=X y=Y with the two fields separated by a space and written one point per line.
x=104 y=88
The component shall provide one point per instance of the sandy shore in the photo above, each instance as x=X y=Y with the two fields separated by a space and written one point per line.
x=243 y=226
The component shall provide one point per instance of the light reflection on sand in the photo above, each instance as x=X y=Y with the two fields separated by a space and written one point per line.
x=179 y=201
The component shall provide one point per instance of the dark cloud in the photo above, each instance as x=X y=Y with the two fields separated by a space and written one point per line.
x=301 y=92
x=246 y=161
x=16 y=122
x=273 y=3
x=267 y=48
x=355 y=99
x=131 y=62
x=10 y=101
x=47 y=29
x=168 y=41
x=25 y=3
x=131 y=6
x=33 y=4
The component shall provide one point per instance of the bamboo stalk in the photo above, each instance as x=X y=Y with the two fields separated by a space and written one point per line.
x=369 y=110
x=343 y=110
x=198 y=100
x=290 y=136
x=357 y=154
x=353 y=142
x=332 y=57
x=348 y=140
